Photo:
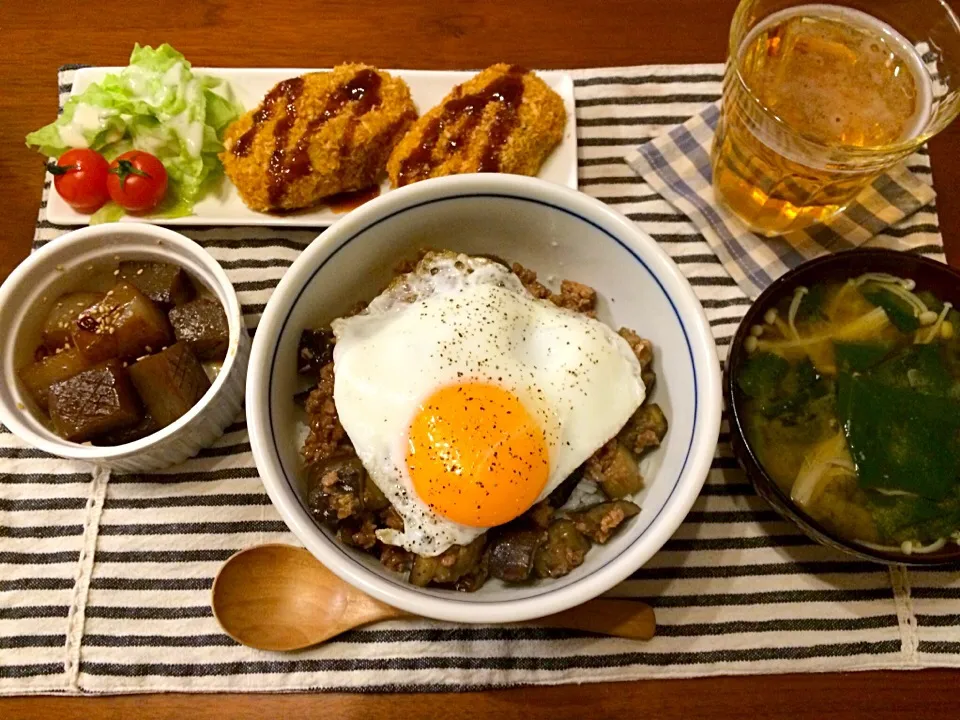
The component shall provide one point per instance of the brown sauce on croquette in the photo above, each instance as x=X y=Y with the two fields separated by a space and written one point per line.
x=506 y=91
x=277 y=168
x=364 y=90
x=283 y=89
x=286 y=166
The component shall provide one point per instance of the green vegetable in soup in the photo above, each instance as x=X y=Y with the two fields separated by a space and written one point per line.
x=812 y=305
x=916 y=367
x=930 y=300
x=858 y=356
x=900 y=439
x=903 y=518
x=854 y=409
x=898 y=310
x=761 y=374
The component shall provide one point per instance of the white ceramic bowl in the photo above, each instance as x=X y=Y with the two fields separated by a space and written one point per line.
x=559 y=233
x=55 y=269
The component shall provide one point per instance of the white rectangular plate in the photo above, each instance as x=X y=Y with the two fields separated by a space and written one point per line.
x=224 y=206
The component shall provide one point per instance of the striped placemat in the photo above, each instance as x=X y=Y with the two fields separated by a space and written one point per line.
x=104 y=582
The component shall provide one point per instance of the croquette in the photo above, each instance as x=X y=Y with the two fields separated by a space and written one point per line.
x=317 y=135
x=504 y=119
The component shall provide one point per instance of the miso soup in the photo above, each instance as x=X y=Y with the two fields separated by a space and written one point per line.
x=852 y=406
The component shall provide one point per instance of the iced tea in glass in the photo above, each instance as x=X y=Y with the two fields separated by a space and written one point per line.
x=818 y=99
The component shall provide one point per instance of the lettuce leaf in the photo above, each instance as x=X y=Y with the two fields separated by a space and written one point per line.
x=155 y=104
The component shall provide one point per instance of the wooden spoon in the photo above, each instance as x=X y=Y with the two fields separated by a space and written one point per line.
x=280 y=597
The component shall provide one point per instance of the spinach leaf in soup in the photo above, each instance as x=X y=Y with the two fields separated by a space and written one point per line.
x=800 y=386
x=812 y=304
x=930 y=300
x=901 y=518
x=898 y=310
x=900 y=439
x=761 y=374
x=922 y=368
x=853 y=357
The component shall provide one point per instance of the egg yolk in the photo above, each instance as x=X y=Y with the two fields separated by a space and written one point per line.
x=476 y=455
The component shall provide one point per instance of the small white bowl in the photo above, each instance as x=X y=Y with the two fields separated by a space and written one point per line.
x=54 y=269
x=561 y=234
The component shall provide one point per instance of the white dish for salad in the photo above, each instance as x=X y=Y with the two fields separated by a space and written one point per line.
x=223 y=205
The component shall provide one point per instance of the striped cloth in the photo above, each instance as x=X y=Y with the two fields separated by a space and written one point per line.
x=676 y=164
x=104 y=582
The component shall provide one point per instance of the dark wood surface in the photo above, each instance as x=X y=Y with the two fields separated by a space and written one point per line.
x=36 y=37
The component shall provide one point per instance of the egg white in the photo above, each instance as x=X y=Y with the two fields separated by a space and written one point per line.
x=458 y=318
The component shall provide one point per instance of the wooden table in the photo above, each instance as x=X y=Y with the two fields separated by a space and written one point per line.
x=38 y=36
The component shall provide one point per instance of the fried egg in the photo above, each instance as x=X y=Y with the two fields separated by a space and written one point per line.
x=468 y=400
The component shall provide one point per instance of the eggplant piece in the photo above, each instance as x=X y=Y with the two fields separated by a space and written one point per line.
x=62 y=318
x=146 y=426
x=601 y=521
x=125 y=324
x=314 y=350
x=513 y=550
x=423 y=569
x=542 y=513
x=450 y=565
x=458 y=560
x=165 y=284
x=340 y=489
x=93 y=402
x=202 y=324
x=614 y=468
x=170 y=382
x=564 y=551
x=645 y=429
x=474 y=580
x=40 y=376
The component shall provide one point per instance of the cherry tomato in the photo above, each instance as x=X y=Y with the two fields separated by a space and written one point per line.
x=80 y=177
x=137 y=181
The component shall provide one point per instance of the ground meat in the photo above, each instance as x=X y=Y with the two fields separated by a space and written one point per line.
x=614 y=468
x=391 y=519
x=576 y=296
x=326 y=436
x=528 y=278
x=645 y=429
x=395 y=558
x=541 y=514
x=408 y=265
x=599 y=522
x=357 y=308
x=573 y=295
x=564 y=550
x=359 y=532
x=336 y=488
x=643 y=349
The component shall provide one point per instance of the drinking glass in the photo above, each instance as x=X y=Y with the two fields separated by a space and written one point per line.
x=819 y=99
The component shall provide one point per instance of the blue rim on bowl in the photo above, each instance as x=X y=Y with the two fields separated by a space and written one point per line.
x=551 y=596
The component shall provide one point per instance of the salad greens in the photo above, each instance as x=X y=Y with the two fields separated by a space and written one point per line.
x=155 y=104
